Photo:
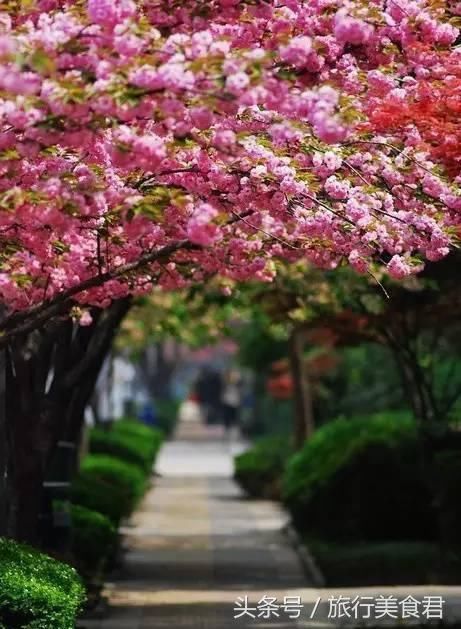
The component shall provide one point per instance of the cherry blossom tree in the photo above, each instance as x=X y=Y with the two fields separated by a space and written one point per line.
x=429 y=113
x=155 y=142
x=158 y=142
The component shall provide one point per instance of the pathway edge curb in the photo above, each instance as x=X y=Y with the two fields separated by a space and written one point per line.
x=308 y=562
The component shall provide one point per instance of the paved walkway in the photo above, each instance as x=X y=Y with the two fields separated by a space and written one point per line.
x=197 y=544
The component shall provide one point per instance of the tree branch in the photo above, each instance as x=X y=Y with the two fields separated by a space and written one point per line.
x=32 y=318
x=27 y=320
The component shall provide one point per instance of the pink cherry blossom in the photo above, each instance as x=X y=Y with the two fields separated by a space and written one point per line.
x=129 y=128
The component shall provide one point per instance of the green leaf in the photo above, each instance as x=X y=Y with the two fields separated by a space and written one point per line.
x=8 y=154
x=41 y=62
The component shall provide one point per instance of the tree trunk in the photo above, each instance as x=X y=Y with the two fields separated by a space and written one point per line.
x=26 y=441
x=418 y=387
x=259 y=381
x=88 y=373
x=4 y=452
x=303 y=406
x=28 y=486
x=51 y=376
x=157 y=370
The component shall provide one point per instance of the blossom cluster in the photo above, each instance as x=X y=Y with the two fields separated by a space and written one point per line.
x=428 y=111
x=242 y=129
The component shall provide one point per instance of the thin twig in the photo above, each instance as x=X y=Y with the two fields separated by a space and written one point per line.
x=283 y=242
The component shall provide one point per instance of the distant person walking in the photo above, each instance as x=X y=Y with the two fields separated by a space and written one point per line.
x=209 y=391
x=231 y=399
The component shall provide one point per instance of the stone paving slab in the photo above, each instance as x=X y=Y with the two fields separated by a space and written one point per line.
x=196 y=544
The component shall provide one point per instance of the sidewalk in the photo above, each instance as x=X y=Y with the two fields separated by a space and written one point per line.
x=197 y=544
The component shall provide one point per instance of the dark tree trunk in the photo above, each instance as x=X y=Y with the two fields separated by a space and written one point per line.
x=28 y=436
x=27 y=486
x=51 y=376
x=418 y=386
x=304 y=425
x=157 y=370
x=85 y=374
x=259 y=380
x=419 y=392
x=5 y=463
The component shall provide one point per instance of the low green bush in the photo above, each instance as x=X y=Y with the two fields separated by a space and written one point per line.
x=36 y=591
x=361 y=479
x=97 y=496
x=259 y=469
x=128 y=440
x=147 y=438
x=109 y=485
x=134 y=427
x=107 y=441
x=94 y=540
x=385 y=563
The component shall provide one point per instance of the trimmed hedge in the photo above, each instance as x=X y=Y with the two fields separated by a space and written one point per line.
x=259 y=469
x=360 y=479
x=98 y=496
x=109 y=485
x=385 y=563
x=128 y=440
x=36 y=591
x=146 y=438
x=136 y=428
x=114 y=477
x=94 y=539
x=111 y=481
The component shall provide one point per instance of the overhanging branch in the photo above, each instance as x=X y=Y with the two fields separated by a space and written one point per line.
x=32 y=318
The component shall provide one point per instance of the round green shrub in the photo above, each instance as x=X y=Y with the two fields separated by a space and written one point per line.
x=259 y=470
x=129 y=440
x=97 y=496
x=109 y=485
x=36 y=591
x=132 y=426
x=361 y=479
x=94 y=538
x=121 y=446
x=135 y=428
x=127 y=477
x=145 y=439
